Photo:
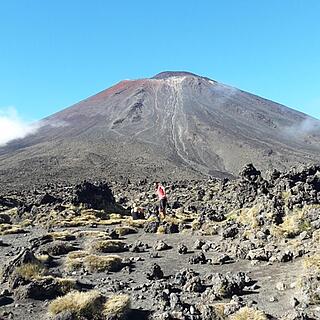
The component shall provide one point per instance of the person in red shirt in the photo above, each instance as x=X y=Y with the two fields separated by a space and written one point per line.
x=162 y=198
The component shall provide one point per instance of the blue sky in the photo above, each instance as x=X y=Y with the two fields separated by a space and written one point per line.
x=55 y=53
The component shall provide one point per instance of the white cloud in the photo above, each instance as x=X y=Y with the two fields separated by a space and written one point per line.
x=13 y=127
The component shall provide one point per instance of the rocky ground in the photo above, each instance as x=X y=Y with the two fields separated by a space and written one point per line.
x=239 y=249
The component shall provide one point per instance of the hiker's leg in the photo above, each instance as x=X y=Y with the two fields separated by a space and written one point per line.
x=161 y=210
x=164 y=206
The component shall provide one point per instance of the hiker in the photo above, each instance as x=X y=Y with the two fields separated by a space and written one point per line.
x=162 y=198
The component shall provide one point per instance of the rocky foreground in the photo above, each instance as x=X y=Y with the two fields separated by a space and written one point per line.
x=239 y=249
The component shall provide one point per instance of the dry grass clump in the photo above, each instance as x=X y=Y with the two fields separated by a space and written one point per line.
x=6 y=229
x=285 y=196
x=73 y=223
x=110 y=222
x=293 y=224
x=195 y=225
x=66 y=284
x=26 y=223
x=77 y=254
x=139 y=223
x=93 y=234
x=36 y=271
x=96 y=214
x=74 y=260
x=107 y=246
x=44 y=258
x=118 y=305
x=152 y=219
x=249 y=216
x=30 y=271
x=173 y=220
x=247 y=313
x=92 y=263
x=312 y=263
x=181 y=216
x=309 y=282
x=124 y=230
x=316 y=237
x=210 y=228
x=116 y=216
x=90 y=305
x=80 y=304
x=62 y=235
x=161 y=230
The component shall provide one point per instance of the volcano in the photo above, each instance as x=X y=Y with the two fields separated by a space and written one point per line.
x=175 y=125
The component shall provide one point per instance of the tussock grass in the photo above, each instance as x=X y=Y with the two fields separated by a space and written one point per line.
x=62 y=235
x=152 y=219
x=312 y=263
x=117 y=305
x=110 y=222
x=77 y=254
x=95 y=214
x=73 y=223
x=246 y=216
x=92 y=234
x=90 y=305
x=293 y=224
x=80 y=304
x=107 y=246
x=43 y=258
x=26 y=223
x=161 y=230
x=173 y=220
x=6 y=229
x=285 y=196
x=316 y=237
x=124 y=230
x=308 y=282
x=92 y=263
x=181 y=216
x=139 y=223
x=195 y=225
x=116 y=216
x=246 y=313
x=30 y=271
x=74 y=260
x=67 y=284
x=210 y=228
x=232 y=215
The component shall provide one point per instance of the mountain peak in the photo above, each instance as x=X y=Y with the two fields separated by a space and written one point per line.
x=169 y=74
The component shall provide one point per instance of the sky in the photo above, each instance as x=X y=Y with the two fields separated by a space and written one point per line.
x=56 y=53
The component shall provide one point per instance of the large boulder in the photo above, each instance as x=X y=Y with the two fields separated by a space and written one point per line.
x=96 y=196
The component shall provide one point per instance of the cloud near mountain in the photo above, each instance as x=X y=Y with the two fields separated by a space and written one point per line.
x=12 y=126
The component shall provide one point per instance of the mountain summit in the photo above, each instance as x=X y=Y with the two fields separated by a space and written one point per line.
x=173 y=125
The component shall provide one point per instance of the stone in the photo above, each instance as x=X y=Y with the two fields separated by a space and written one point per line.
x=182 y=249
x=151 y=226
x=199 y=258
x=280 y=286
x=194 y=285
x=5 y=301
x=199 y=244
x=160 y=246
x=156 y=273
